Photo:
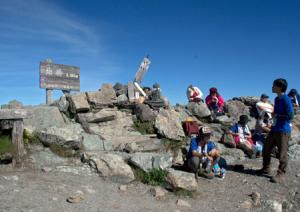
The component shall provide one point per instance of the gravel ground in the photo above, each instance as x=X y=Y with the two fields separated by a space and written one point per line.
x=27 y=189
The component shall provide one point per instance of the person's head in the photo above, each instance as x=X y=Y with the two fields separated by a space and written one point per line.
x=146 y=90
x=204 y=134
x=191 y=88
x=156 y=85
x=264 y=98
x=243 y=120
x=293 y=92
x=267 y=116
x=213 y=91
x=279 y=86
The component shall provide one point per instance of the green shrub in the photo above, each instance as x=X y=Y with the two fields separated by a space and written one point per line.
x=184 y=193
x=144 y=127
x=155 y=177
x=172 y=144
x=30 y=138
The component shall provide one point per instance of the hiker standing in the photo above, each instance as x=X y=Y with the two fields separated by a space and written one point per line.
x=280 y=132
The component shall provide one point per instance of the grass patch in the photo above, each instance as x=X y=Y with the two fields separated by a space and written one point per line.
x=6 y=145
x=144 y=127
x=30 y=138
x=155 y=177
x=172 y=144
x=62 y=151
x=185 y=193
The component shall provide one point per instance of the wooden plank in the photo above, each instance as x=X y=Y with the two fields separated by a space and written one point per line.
x=131 y=93
x=142 y=70
x=58 y=76
x=14 y=114
x=49 y=96
x=17 y=139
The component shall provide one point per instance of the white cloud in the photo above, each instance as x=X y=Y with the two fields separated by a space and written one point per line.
x=37 y=20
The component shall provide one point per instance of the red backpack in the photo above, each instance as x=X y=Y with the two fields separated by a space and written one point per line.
x=190 y=128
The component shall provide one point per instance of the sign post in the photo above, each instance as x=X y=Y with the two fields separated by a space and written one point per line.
x=58 y=76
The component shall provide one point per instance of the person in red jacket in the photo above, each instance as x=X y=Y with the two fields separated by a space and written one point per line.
x=215 y=101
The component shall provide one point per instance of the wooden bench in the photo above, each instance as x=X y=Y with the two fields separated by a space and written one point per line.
x=16 y=116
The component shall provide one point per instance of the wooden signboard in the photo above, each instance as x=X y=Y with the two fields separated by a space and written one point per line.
x=60 y=77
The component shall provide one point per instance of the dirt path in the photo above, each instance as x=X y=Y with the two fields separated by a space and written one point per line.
x=34 y=190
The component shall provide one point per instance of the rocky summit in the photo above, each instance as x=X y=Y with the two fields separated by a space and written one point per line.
x=83 y=148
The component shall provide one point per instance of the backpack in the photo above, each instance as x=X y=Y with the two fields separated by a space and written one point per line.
x=190 y=128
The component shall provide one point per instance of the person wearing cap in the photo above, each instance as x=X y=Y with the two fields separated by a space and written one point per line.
x=280 y=133
x=194 y=94
x=264 y=106
x=203 y=154
x=242 y=136
x=215 y=101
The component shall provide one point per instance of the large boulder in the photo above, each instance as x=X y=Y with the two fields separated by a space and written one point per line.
x=43 y=117
x=120 y=89
x=62 y=104
x=95 y=143
x=111 y=166
x=248 y=100
x=198 y=109
x=144 y=113
x=103 y=115
x=231 y=155
x=235 y=109
x=121 y=99
x=217 y=132
x=168 y=124
x=78 y=103
x=148 y=161
x=183 y=112
x=103 y=98
x=68 y=136
x=294 y=152
x=295 y=135
x=118 y=131
x=181 y=180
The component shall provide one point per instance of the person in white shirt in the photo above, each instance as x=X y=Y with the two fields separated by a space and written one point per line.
x=194 y=94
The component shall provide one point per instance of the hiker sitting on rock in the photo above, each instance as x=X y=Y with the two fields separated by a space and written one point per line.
x=263 y=105
x=215 y=101
x=242 y=136
x=262 y=129
x=203 y=155
x=194 y=94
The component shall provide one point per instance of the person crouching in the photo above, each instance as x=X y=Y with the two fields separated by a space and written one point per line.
x=203 y=155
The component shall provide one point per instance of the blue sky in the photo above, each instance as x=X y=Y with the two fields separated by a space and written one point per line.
x=240 y=47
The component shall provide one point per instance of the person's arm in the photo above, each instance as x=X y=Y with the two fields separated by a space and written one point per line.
x=233 y=133
x=208 y=100
x=196 y=154
x=289 y=109
x=266 y=128
x=221 y=101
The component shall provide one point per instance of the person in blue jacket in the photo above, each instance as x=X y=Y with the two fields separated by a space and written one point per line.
x=203 y=156
x=280 y=131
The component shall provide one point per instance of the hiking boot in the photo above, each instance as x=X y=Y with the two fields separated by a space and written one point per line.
x=205 y=174
x=278 y=178
x=264 y=171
